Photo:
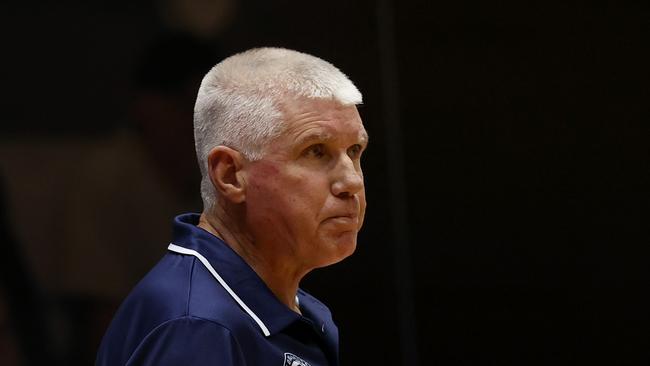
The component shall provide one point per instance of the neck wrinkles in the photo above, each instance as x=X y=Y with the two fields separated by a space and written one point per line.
x=282 y=281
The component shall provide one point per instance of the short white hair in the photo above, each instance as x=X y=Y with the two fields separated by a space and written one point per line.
x=238 y=103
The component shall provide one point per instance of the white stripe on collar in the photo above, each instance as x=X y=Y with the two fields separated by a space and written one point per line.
x=178 y=249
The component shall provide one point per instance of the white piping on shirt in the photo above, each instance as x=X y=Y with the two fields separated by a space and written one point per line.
x=179 y=249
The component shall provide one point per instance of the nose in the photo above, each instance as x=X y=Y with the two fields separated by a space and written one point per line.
x=348 y=178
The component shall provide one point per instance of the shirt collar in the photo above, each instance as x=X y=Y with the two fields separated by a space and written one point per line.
x=255 y=297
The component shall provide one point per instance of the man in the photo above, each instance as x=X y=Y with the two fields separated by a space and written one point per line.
x=279 y=142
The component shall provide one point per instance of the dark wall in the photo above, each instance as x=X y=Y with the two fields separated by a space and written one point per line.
x=521 y=131
x=530 y=231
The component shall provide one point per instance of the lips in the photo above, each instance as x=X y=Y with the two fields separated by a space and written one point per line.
x=350 y=214
x=346 y=221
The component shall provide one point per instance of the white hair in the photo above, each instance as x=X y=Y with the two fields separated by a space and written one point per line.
x=238 y=101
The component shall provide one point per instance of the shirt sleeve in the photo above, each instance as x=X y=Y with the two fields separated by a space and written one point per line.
x=188 y=341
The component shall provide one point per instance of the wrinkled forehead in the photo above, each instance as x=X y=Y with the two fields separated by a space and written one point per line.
x=299 y=110
x=324 y=121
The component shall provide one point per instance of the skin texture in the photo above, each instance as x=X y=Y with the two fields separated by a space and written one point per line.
x=301 y=206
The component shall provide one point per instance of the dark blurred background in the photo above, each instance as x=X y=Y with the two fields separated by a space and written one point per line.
x=508 y=176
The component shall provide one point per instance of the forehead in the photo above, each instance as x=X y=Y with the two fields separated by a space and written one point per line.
x=319 y=119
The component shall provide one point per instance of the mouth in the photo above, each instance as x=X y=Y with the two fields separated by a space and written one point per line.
x=349 y=221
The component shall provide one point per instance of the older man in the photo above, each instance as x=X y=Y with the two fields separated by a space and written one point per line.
x=279 y=142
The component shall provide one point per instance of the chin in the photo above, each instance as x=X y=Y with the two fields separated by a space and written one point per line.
x=341 y=247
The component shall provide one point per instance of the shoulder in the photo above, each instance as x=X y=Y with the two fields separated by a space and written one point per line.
x=187 y=340
x=159 y=297
x=164 y=291
x=180 y=286
x=179 y=305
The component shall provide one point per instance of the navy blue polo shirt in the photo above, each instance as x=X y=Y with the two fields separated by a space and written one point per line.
x=202 y=304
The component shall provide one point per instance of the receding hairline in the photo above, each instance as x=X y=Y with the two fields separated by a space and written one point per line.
x=315 y=134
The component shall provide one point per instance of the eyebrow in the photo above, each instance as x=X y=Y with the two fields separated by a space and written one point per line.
x=314 y=136
x=326 y=136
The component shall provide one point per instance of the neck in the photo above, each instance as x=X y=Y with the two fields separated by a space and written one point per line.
x=281 y=279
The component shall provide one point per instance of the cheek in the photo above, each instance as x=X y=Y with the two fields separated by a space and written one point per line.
x=289 y=192
x=268 y=184
x=261 y=175
x=263 y=196
x=362 y=208
x=274 y=195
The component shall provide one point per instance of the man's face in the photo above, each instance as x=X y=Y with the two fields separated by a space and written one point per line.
x=305 y=199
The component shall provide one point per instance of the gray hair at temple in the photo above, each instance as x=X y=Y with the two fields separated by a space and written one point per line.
x=238 y=103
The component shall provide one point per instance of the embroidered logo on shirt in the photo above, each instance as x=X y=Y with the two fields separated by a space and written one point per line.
x=292 y=360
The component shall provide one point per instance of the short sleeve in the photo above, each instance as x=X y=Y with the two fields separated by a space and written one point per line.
x=188 y=341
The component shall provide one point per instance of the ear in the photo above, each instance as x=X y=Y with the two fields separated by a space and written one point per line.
x=225 y=168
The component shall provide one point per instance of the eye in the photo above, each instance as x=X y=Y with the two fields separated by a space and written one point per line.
x=354 y=151
x=315 y=151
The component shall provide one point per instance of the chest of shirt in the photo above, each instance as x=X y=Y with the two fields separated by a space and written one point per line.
x=300 y=344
